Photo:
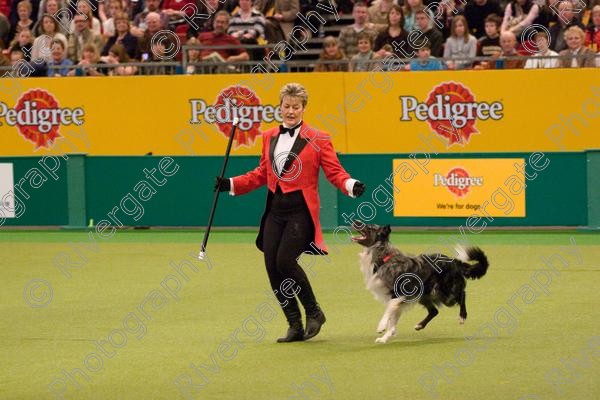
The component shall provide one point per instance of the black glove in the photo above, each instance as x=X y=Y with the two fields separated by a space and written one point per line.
x=222 y=184
x=358 y=189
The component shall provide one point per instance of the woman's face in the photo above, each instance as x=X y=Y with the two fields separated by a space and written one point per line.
x=51 y=7
x=596 y=19
x=459 y=29
x=83 y=7
x=23 y=13
x=24 y=37
x=394 y=17
x=331 y=49
x=121 y=25
x=573 y=40
x=292 y=110
x=88 y=56
x=414 y=3
x=114 y=8
x=48 y=25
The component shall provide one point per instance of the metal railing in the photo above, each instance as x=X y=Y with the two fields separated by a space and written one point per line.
x=270 y=62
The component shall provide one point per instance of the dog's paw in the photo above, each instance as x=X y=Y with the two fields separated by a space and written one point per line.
x=418 y=327
x=461 y=320
x=382 y=339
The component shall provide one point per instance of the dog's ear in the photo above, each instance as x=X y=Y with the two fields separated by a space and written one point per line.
x=387 y=230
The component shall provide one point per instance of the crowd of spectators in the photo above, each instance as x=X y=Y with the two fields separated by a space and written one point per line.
x=76 y=37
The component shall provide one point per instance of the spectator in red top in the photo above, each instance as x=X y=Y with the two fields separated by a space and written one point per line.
x=173 y=8
x=219 y=37
x=592 y=34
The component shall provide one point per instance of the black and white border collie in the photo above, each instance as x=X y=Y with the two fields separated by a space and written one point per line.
x=399 y=280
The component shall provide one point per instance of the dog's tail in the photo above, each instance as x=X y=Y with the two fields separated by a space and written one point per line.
x=469 y=270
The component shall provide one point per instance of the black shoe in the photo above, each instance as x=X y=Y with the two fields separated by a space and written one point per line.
x=295 y=333
x=314 y=323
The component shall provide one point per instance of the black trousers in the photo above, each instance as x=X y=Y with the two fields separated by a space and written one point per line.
x=288 y=231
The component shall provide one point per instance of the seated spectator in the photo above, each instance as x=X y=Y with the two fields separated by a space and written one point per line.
x=460 y=45
x=153 y=26
x=86 y=65
x=363 y=60
x=476 y=13
x=542 y=41
x=108 y=23
x=81 y=36
x=508 y=43
x=285 y=13
x=331 y=59
x=173 y=8
x=394 y=39
x=219 y=37
x=424 y=61
x=4 y=29
x=566 y=19
x=429 y=32
x=118 y=55
x=140 y=20
x=17 y=61
x=58 y=60
x=348 y=37
x=378 y=12
x=49 y=30
x=592 y=34
x=122 y=36
x=51 y=8
x=204 y=23
x=576 y=54
x=193 y=57
x=248 y=26
x=24 y=23
x=410 y=7
x=23 y=43
x=85 y=9
x=518 y=15
x=489 y=44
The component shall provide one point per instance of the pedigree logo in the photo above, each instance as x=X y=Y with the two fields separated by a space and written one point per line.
x=236 y=102
x=38 y=117
x=451 y=111
x=457 y=181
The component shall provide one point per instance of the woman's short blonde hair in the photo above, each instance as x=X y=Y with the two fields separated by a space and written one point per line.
x=294 y=90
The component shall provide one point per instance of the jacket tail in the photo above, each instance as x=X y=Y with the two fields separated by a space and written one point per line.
x=470 y=270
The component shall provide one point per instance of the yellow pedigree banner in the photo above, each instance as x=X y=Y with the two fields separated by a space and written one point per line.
x=459 y=187
x=474 y=111
x=370 y=112
x=173 y=115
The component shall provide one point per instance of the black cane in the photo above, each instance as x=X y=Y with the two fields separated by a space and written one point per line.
x=217 y=192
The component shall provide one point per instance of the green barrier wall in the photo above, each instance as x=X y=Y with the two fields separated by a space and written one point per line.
x=92 y=187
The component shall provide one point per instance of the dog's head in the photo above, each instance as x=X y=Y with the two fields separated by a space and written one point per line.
x=370 y=234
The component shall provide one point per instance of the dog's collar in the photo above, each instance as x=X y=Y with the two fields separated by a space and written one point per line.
x=383 y=261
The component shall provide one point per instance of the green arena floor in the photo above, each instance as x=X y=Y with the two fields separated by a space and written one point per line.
x=117 y=319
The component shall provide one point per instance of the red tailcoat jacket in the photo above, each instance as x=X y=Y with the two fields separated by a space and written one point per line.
x=311 y=151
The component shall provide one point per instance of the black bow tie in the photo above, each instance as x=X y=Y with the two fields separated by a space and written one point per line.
x=291 y=131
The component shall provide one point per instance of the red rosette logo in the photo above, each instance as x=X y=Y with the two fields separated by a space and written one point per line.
x=237 y=96
x=450 y=128
x=457 y=176
x=44 y=101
